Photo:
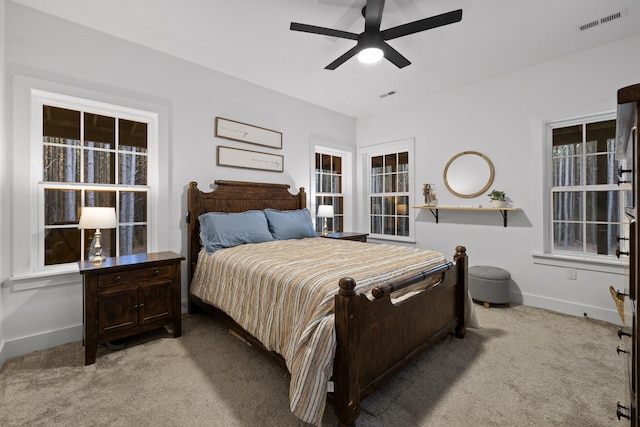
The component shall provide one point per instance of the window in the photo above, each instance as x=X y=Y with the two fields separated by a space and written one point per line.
x=329 y=190
x=389 y=178
x=585 y=198
x=92 y=155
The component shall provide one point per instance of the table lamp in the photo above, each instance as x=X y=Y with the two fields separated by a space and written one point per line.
x=324 y=212
x=94 y=218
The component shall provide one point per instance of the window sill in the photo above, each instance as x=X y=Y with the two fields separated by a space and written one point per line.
x=44 y=278
x=612 y=266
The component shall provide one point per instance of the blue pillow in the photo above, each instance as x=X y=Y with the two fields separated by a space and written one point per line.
x=286 y=225
x=220 y=230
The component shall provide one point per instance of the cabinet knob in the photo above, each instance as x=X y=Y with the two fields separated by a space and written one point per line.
x=118 y=278
x=622 y=411
x=619 y=252
x=155 y=273
x=141 y=305
x=622 y=333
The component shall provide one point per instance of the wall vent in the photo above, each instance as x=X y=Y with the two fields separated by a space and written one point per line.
x=392 y=92
x=603 y=20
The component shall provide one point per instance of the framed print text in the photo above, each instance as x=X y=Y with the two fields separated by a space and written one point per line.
x=246 y=159
x=237 y=131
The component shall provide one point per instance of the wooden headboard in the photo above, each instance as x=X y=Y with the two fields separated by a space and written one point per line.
x=234 y=196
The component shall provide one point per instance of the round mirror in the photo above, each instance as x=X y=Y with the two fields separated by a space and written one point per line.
x=468 y=174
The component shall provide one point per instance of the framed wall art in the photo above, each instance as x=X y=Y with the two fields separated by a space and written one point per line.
x=237 y=131
x=247 y=159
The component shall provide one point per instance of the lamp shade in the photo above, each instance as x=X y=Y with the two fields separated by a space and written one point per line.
x=94 y=218
x=325 y=211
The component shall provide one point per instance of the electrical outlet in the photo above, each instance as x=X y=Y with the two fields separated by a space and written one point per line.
x=571 y=273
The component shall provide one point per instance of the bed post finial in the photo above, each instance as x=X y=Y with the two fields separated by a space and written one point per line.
x=193 y=184
x=461 y=261
x=347 y=287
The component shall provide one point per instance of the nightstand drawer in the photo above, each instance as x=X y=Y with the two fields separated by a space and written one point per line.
x=133 y=276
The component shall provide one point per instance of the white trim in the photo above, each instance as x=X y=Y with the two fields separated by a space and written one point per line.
x=567 y=307
x=347 y=183
x=364 y=155
x=600 y=264
x=41 y=341
x=547 y=255
x=39 y=99
x=24 y=197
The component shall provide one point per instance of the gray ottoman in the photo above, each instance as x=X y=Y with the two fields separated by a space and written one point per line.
x=491 y=285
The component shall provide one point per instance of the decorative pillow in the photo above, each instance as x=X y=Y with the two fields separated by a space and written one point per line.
x=220 y=230
x=286 y=225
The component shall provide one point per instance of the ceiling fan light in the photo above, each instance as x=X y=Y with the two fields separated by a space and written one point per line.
x=370 y=55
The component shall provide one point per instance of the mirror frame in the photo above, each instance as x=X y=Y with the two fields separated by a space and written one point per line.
x=478 y=193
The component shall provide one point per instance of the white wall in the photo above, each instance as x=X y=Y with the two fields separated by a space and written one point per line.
x=503 y=118
x=3 y=184
x=43 y=50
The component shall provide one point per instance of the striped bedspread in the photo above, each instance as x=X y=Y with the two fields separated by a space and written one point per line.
x=282 y=292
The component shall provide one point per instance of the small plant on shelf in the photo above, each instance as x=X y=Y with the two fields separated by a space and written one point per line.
x=498 y=198
x=497 y=195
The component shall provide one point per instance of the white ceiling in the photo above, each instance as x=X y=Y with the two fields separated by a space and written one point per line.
x=251 y=40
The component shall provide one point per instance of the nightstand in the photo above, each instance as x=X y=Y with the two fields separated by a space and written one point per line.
x=126 y=295
x=358 y=237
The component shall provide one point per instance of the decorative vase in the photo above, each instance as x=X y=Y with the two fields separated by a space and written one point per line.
x=429 y=193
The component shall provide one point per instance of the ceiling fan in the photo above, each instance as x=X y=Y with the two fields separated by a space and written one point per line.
x=373 y=40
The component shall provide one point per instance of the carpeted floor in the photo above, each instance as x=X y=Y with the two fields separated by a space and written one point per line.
x=523 y=367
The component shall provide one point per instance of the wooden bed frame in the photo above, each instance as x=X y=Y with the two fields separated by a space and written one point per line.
x=375 y=338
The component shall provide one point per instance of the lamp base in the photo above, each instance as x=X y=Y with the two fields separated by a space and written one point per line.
x=96 y=248
x=97 y=258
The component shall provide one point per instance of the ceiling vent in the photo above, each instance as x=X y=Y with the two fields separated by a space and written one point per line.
x=392 y=92
x=603 y=20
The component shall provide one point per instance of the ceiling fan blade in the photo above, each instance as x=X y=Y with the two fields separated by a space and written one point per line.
x=305 y=28
x=373 y=15
x=394 y=56
x=422 y=25
x=343 y=58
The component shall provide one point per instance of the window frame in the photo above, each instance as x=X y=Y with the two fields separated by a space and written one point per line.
x=561 y=258
x=39 y=98
x=384 y=149
x=347 y=185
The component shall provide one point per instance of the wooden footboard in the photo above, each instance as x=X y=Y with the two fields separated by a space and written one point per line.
x=377 y=338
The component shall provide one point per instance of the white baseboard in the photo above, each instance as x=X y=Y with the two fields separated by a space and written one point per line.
x=568 y=307
x=25 y=345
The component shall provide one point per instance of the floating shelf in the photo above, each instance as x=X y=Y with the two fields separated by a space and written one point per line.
x=435 y=210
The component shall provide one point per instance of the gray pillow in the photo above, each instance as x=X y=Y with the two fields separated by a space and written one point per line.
x=220 y=230
x=286 y=225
